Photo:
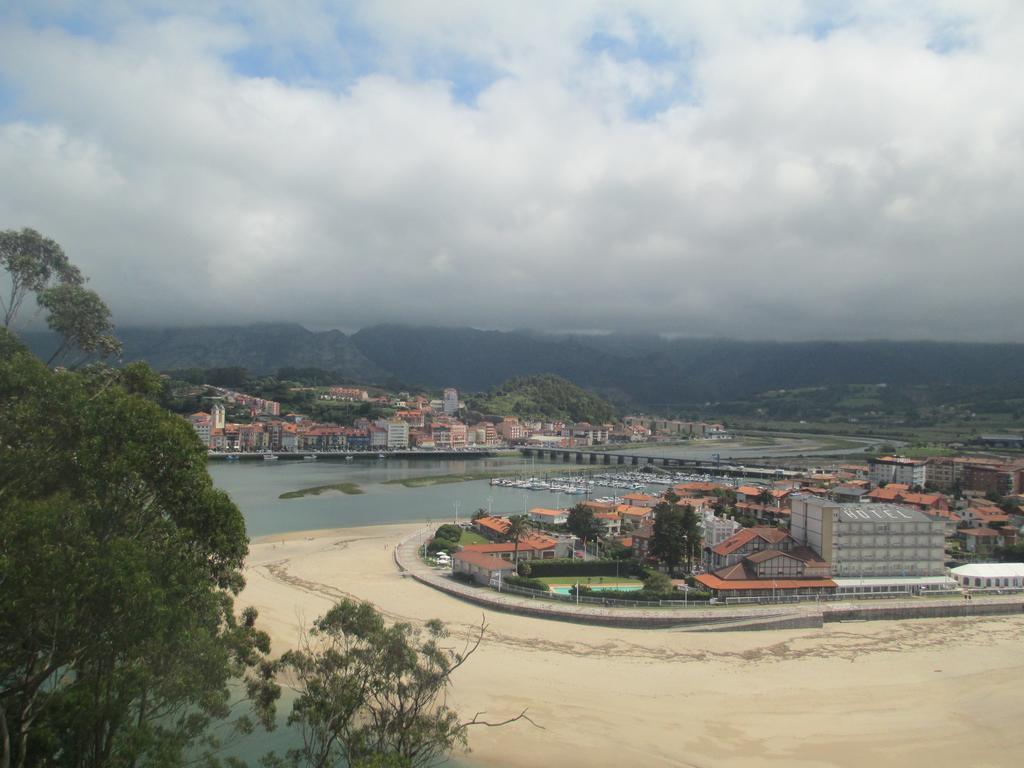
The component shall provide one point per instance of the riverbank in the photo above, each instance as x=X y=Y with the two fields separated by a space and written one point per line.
x=920 y=693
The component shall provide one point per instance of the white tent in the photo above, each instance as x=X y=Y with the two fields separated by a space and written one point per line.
x=986 y=575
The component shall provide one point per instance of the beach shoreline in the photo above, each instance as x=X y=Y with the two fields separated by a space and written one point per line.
x=930 y=692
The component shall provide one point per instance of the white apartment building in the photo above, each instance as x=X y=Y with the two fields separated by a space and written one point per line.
x=398 y=435
x=869 y=540
x=896 y=469
x=716 y=529
x=201 y=424
x=450 y=402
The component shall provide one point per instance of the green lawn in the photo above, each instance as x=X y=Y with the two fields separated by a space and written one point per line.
x=469 y=537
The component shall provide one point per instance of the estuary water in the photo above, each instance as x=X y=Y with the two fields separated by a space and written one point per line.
x=255 y=486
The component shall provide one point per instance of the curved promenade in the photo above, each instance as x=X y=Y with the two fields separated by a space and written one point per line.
x=720 y=618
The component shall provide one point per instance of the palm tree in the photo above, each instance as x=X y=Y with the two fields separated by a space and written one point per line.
x=518 y=526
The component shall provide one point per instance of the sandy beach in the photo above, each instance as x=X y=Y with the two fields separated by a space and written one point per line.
x=940 y=692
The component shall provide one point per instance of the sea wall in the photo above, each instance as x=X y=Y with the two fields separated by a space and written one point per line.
x=925 y=610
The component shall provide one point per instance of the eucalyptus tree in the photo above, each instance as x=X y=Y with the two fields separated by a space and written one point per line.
x=119 y=564
x=369 y=693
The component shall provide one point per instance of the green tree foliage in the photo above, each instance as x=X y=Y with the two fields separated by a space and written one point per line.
x=519 y=526
x=81 y=319
x=657 y=584
x=581 y=522
x=676 y=534
x=232 y=376
x=119 y=563
x=1013 y=554
x=546 y=397
x=449 y=531
x=370 y=694
x=33 y=263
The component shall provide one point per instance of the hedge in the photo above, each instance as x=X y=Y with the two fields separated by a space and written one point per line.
x=568 y=567
x=519 y=581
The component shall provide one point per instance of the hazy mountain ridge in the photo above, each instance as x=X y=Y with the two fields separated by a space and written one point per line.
x=632 y=368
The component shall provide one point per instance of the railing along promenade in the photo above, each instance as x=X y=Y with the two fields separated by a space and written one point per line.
x=694 y=616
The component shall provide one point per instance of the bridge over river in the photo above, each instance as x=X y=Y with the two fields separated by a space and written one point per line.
x=695 y=466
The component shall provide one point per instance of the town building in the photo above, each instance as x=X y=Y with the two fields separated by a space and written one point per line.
x=869 y=540
x=484 y=569
x=398 y=435
x=716 y=529
x=549 y=516
x=980 y=542
x=201 y=424
x=746 y=541
x=774 y=573
x=450 y=402
x=896 y=469
x=532 y=546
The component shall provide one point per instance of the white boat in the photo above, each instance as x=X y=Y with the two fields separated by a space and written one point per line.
x=381 y=456
x=311 y=457
x=269 y=457
x=348 y=458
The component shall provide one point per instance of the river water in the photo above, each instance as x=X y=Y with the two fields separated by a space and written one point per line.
x=256 y=487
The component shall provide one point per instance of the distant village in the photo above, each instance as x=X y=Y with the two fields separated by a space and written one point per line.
x=891 y=526
x=418 y=422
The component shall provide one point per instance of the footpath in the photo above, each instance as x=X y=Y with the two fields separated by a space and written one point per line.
x=700 y=618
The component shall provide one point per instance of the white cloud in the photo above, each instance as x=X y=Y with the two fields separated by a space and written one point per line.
x=796 y=177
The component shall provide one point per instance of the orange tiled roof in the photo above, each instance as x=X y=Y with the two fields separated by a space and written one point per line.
x=745 y=535
x=482 y=560
x=713 y=582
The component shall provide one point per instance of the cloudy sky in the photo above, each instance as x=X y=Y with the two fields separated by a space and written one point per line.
x=758 y=170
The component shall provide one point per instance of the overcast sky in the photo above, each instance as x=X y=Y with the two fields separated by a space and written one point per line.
x=775 y=170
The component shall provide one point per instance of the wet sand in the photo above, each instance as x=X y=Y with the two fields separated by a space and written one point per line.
x=937 y=692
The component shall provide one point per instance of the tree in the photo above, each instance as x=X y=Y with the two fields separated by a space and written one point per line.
x=676 y=534
x=519 y=526
x=82 y=320
x=449 y=531
x=657 y=583
x=581 y=522
x=668 y=543
x=370 y=694
x=33 y=263
x=692 y=533
x=119 y=563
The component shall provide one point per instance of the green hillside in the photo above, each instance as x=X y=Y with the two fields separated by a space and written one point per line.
x=543 y=397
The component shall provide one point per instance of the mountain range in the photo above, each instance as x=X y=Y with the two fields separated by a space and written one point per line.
x=629 y=369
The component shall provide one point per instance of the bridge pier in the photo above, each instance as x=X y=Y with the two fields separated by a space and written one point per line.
x=579 y=457
x=620 y=459
x=565 y=456
x=636 y=460
x=607 y=458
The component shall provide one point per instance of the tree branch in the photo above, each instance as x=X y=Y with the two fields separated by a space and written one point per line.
x=521 y=716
